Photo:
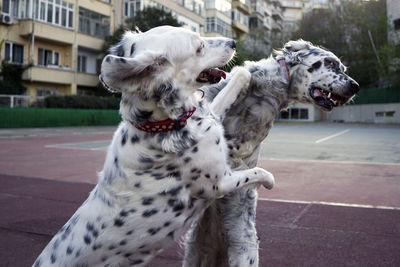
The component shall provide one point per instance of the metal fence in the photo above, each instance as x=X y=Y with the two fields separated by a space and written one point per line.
x=19 y=101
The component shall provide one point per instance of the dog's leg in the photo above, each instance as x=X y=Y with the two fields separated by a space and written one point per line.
x=238 y=213
x=200 y=249
x=238 y=179
x=227 y=96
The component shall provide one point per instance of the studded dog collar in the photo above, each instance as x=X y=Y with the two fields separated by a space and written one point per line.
x=166 y=125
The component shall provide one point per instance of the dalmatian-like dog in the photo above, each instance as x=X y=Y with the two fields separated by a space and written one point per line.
x=226 y=233
x=167 y=160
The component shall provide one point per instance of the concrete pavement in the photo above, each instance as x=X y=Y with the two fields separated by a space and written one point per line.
x=322 y=212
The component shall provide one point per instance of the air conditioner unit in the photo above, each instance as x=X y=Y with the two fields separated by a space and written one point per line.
x=7 y=19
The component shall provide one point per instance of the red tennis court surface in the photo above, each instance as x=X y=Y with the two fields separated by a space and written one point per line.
x=321 y=213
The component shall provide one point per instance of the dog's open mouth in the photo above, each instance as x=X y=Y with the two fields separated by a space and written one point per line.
x=211 y=75
x=325 y=99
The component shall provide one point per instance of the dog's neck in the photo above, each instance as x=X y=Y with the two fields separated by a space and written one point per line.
x=251 y=117
x=165 y=102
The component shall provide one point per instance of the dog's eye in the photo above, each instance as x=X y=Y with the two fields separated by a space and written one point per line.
x=198 y=51
x=330 y=62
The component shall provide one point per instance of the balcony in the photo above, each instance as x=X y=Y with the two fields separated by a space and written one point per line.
x=46 y=32
x=267 y=12
x=87 y=79
x=240 y=27
x=267 y=25
x=245 y=8
x=88 y=41
x=292 y=4
x=48 y=75
x=276 y=14
x=276 y=26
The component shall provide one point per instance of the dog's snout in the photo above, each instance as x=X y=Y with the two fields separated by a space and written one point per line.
x=231 y=44
x=354 y=87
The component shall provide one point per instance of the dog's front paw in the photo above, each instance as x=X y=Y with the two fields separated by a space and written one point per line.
x=267 y=179
x=242 y=76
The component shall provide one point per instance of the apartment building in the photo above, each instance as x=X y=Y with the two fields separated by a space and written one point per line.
x=61 y=40
x=190 y=13
x=292 y=14
x=240 y=13
x=393 y=14
x=218 y=18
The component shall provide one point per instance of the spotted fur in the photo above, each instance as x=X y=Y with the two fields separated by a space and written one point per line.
x=226 y=233
x=153 y=186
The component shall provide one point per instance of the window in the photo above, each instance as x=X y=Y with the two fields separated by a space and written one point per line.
x=48 y=57
x=236 y=15
x=55 y=12
x=93 y=23
x=214 y=24
x=5 y=7
x=294 y=114
x=14 y=53
x=98 y=65
x=131 y=7
x=82 y=63
x=385 y=113
x=396 y=23
x=46 y=92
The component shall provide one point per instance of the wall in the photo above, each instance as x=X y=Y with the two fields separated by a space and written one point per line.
x=372 y=113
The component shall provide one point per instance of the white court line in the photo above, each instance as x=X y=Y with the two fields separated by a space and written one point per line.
x=334 y=161
x=330 y=204
x=331 y=136
x=76 y=145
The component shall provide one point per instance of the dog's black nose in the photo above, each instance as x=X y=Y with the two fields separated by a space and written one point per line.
x=231 y=44
x=354 y=87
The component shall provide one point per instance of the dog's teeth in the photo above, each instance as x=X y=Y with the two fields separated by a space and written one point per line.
x=329 y=95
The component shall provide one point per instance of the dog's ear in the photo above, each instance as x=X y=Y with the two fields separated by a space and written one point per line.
x=296 y=46
x=127 y=74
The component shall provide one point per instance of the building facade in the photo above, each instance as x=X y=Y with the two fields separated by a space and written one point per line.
x=393 y=14
x=61 y=41
x=240 y=13
x=292 y=14
x=218 y=18
x=190 y=13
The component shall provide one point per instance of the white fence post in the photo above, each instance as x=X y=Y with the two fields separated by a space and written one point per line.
x=20 y=100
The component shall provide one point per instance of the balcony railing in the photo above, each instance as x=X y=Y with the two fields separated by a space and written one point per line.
x=244 y=7
x=57 y=75
x=46 y=32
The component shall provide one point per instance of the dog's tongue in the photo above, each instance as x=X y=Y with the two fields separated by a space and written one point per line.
x=317 y=93
x=217 y=73
x=211 y=75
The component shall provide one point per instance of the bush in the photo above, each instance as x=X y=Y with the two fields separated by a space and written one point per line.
x=48 y=117
x=81 y=102
x=11 y=79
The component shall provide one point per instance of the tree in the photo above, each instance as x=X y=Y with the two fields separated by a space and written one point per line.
x=256 y=45
x=144 y=20
x=346 y=32
x=11 y=79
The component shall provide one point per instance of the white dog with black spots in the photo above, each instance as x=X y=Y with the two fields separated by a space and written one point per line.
x=168 y=159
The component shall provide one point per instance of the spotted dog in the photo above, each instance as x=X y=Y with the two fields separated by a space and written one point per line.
x=167 y=160
x=302 y=72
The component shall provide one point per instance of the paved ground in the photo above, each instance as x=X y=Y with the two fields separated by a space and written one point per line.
x=336 y=201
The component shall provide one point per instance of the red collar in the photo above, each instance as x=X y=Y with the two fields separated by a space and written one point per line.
x=165 y=125
x=286 y=73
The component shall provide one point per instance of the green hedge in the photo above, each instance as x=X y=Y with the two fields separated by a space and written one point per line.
x=51 y=117
x=82 y=102
x=377 y=96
